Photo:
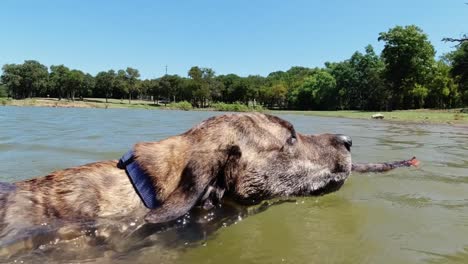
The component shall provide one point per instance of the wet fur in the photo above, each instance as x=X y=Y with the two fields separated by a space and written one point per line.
x=246 y=157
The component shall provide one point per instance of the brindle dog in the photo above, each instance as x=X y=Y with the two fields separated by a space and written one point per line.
x=246 y=158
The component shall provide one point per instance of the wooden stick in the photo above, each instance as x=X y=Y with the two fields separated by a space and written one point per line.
x=384 y=166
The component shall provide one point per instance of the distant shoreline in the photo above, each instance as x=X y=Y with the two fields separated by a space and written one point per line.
x=419 y=116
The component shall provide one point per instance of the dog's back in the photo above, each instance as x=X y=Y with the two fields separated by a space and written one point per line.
x=6 y=189
x=33 y=212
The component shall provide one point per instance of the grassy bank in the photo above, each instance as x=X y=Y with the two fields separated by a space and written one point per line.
x=452 y=116
x=116 y=103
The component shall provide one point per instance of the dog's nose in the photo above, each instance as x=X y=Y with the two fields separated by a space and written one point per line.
x=346 y=140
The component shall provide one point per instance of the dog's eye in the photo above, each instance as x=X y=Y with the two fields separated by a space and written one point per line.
x=292 y=140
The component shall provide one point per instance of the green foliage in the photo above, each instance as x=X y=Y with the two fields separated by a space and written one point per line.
x=171 y=88
x=236 y=107
x=66 y=83
x=359 y=81
x=25 y=80
x=443 y=91
x=4 y=101
x=275 y=95
x=202 y=84
x=420 y=93
x=58 y=80
x=121 y=84
x=152 y=88
x=131 y=76
x=459 y=60
x=318 y=91
x=3 y=91
x=409 y=60
x=105 y=83
x=183 y=105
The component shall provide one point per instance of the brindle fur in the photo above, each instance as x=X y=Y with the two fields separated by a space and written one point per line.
x=247 y=157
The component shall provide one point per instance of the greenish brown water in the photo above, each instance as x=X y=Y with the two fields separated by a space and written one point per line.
x=403 y=216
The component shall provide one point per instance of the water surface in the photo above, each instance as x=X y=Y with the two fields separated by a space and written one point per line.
x=403 y=216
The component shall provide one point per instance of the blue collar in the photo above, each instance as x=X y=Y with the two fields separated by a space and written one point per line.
x=140 y=179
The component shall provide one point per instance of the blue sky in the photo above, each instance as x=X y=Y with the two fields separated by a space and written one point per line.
x=243 y=36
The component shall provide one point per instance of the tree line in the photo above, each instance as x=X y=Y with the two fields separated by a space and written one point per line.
x=406 y=75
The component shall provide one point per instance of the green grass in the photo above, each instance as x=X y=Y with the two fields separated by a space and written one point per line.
x=453 y=116
x=236 y=107
x=5 y=101
x=183 y=105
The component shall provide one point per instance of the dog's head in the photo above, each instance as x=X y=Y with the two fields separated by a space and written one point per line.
x=249 y=157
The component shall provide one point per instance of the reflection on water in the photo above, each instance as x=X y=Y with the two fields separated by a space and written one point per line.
x=403 y=216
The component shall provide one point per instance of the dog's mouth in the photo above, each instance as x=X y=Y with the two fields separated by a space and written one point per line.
x=332 y=182
x=332 y=186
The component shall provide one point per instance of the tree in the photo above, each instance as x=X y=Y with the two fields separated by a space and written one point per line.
x=3 y=91
x=317 y=92
x=58 y=79
x=442 y=90
x=347 y=83
x=74 y=82
x=66 y=82
x=359 y=81
x=277 y=76
x=35 y=77
x=409 y=59
x=104 y=84
x=463 y=39
x=88 y=86
x=216 y=89
x=12 y=79
x=201 y=81
x=420 y=93
x=131 y=77
x=459 y=61
x=278 y=94
x=170 y=87
x=152 y=88
x=25 y=80
x=238 y=91
x=227 y=88
x=121 y=84
x=295 y=76
x=255 y=83
x=324 y=87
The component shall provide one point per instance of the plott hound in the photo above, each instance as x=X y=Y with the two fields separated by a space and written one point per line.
x=247 y=157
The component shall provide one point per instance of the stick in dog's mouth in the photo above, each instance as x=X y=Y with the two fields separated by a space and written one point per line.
x=384 y=166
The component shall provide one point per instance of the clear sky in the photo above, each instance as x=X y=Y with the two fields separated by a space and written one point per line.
x=242 y=36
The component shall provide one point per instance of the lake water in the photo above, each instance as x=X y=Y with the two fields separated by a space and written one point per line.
x=403 y=216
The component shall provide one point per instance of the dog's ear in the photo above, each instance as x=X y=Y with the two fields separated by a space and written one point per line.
x=181 y=173
x=163 y=161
